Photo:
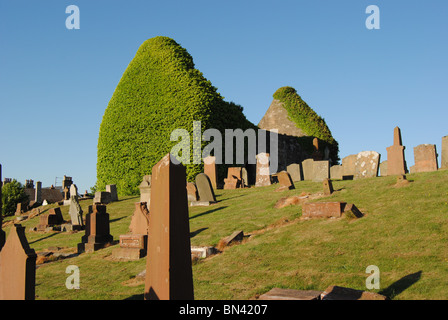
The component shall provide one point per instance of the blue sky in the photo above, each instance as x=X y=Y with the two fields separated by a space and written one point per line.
x=55 y=83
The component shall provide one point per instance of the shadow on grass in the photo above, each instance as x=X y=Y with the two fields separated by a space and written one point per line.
x=399 y=286
x=117 y=219
x=49 y=236
x=194 y=233
x=207 y=212
x=136 y=297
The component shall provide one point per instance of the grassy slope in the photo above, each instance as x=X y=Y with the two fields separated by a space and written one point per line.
x=404 y=233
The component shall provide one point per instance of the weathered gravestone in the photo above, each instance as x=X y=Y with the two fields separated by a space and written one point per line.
x=383 y=168
x=295 y=171
x=263 y=177
x=322 y=209
x=17 y=267
x=2 y=233
x=169 y=273
x=367 y=164
x=192 y=192
x=336 y=172
x=328 y=187
x=285 y=181
x=19 y=210
x=233 y=179
x=112 y=189
x=395 y=155
x=321 y=170
x=244 y=178
x=48 y=221
x=348 y=165
x=425 y=158
x=145 y=189
x=308 y=169
x=133 y=246
x=102 y=197
x=205 y=189
x=97 y=235
x=444 y=161
x=75 y=210
x=210 y=170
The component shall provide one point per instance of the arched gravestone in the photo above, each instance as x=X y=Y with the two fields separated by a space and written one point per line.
x=205 y=189
x=169 y=275
x=17 y=267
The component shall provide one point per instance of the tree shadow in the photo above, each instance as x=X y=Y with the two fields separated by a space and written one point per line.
x=207 y=212
x=116 y=219
x=194 y=233
x=49 y=236
x=399 y=286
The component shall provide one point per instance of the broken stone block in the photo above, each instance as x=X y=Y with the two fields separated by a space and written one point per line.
x=290 y=294
x=323 y=209
x=328 y=187
x=351 y=211
x=237 y=236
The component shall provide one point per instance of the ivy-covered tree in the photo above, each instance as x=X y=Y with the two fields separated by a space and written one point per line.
x=12 y=194
x=160 y=91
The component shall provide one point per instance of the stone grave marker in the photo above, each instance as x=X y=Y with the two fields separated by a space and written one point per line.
x=367 y=164
x=48 y=221
x=205 y=189
x=328 y=187
x=425 y=158
x=348 y=165
x=145 y=189
x=169 y=273
x=38 y=194
x=285 y=181
x=308 y=169
x=75 y=210
x=244 y=178
x=263 y=177
x=102 y=197
x=321 y=170
x=336 y=172
x=295 y=171
x=234 y=178
x=17 y=267
x=210 y=170
x=97 y=234
x=395 y=155
x=383 y=168
x=322 y=209
x=112 y=189
x=192 y=192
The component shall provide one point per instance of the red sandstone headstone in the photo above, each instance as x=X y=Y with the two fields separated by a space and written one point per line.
x=395 y=155
x=234 y=178
x=192 y=192
x=97 y=234
x=285 y=181
x=323 y=209
x=210 y=170
x=328 y=187
x=17 y=267
x=169 y=274
x=140 y=219
x=425 y=158
x=263 y=177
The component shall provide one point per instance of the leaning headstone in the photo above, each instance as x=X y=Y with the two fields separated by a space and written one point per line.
x=145 y=189
x=112 y=189
x=395 y=155
x=17 y=267
x=444 y=161
x=192 y=192
x=351 y=211
x=235 y=237
x=210 y=170
x=336 y=172
x=102 y=197
x=285 y=181
x=348 y=165
x=263 y=177
x=367 y=164
x=328 y=187
x=295 y=171
x=97 y=235
x=383 y=168
x=425 y=158
x=169 y=273
x=75 y=210
x=2 y=233
x=205 y=189
x=308 y=169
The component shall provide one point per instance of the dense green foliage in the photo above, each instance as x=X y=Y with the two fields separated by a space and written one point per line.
x=308 y=120
x=12 y=194
x=160 y=91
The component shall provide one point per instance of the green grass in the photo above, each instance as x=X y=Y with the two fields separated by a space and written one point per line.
x=404 y=232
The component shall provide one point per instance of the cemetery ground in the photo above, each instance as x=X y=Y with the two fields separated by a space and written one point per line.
x=404 y=232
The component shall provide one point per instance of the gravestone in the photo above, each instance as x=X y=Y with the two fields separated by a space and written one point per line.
x=322 y=209
x=66 y=193
x=205 y=189
x=133 y=245
x=336 y=172
x=97 y=234
x=367 y=164
x=321 y=170
x=145 y=189
x=395 y=155
x=328 y=187
x=308 y=169
x=244 y=178
x=348 y=165
x=263 y=177
x=19 y=210
x=169 y=273
x=210 y=170
x=75 y=210
x=66 y=183
x=233 y=179
x=38 y=195
x=295 y=171
x=2 y=233
x=53 y=218
x=102 y=197
x=237 y=236
x=425 y=158
x=112 y=189
x=17 y=267
x=192 y=192
x=317 y=153
x=285 y=181
x=444 y=161
x=383 y=168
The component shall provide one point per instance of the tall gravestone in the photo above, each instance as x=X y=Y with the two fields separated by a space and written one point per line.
x=75 y=210
x=205 y=189
x=210 y=170
x=2 y=233
x=263 y=177
x=97 y=234
x=425 y=158
x=38 y=194
x=169 y=273
x=17 y=267
x=444 y=161
x=396 y=164
x=308 y=169
x=295 y=171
